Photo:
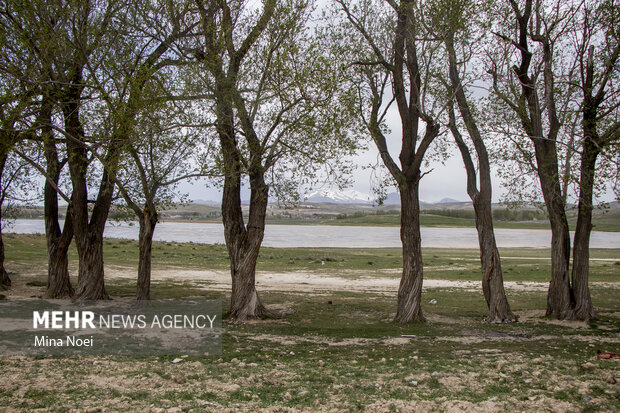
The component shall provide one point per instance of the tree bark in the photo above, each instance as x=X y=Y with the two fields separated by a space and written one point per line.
x=410 y=290
x=58 y=281
x=581 y=244
x=243 y=247
x=492 y=277
x=88 y=228
x=5 y=281
x=58 y=242
x=148 y=221
x=91 y=284
x=559 y=297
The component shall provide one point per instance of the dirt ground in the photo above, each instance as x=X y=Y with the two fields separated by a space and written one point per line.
x=274 y=372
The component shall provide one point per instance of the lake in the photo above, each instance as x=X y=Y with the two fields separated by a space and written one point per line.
x=332 y=236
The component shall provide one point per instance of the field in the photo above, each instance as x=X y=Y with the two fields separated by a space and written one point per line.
x=334 y=346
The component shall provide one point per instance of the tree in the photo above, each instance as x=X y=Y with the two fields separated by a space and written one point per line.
x=457 y=30
x=278 y=116
x=148 y=134
x=541 y=123
x=162 y=151
x=5 y=280
x=597 y=78
x=13 y=187
x=94 y=40
x=58 y=240
x=391 y=50
x=6 y=178
x=62 y=37
x=29 y=58
x=14 y=99
x=554 y=64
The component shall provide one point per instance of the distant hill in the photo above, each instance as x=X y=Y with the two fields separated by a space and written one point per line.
x=449 y=201
x=206 y=202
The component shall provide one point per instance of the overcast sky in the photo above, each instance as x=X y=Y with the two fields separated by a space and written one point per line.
x=446 y=180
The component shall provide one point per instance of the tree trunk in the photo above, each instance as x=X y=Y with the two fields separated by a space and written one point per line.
x=244 y=246
x=559 y=298
x=58 y=281
x=492 y=277
x=148 y=221
x=58 y=242
x=592 y=146
x=581 y=244
x=88 y=228
x=5 y=281
x=243 y=243
x=410 y=290
x=91 y=284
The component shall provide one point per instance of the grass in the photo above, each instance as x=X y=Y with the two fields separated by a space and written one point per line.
x=349 y=356
x=518 y=264
x=340 y=350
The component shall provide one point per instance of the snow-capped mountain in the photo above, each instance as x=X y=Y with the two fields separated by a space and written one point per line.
x=349 y=196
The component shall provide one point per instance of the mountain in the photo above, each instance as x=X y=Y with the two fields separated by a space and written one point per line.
x=449 y=201
x=349 y=196
x=352 y=196
x=393 y=198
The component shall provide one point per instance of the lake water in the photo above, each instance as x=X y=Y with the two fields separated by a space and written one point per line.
x=332 y=236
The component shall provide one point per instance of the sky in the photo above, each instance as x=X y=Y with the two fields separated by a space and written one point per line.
x=445 y=180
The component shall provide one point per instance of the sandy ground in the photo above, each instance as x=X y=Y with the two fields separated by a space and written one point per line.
x=306 y=281
x=378 y=281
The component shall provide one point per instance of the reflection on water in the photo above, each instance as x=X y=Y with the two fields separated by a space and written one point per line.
x=332 y=236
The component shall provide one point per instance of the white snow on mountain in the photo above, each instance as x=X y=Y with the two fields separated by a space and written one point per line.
x=349 y=196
